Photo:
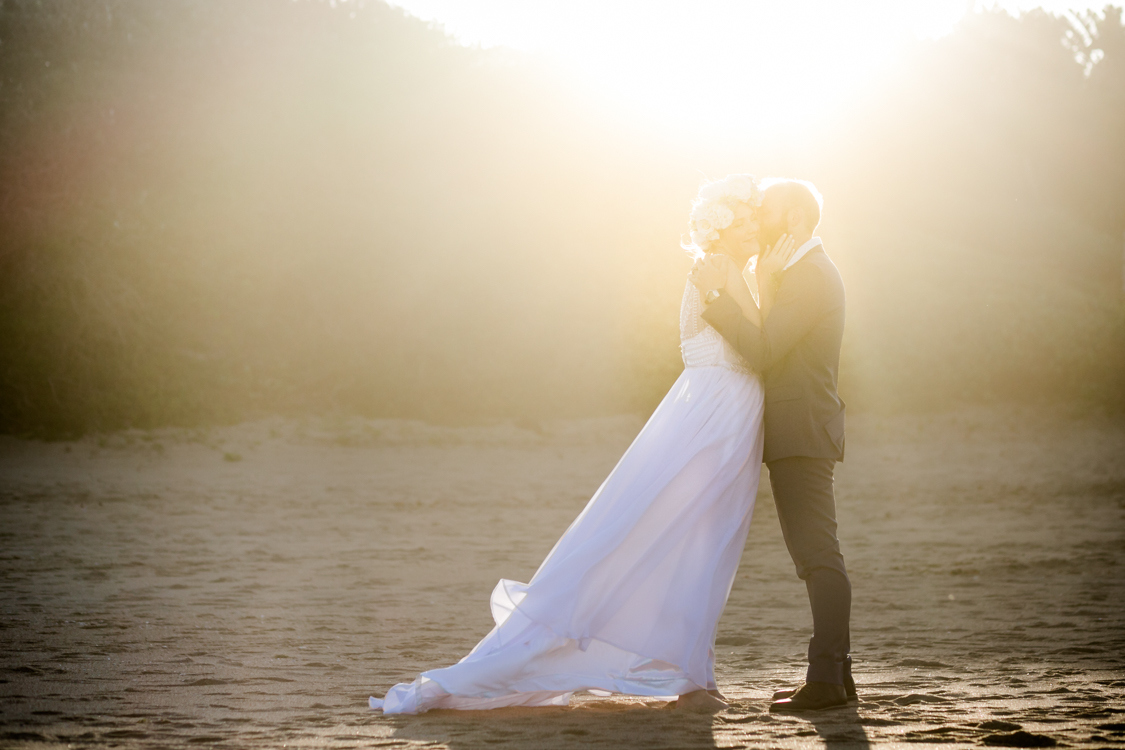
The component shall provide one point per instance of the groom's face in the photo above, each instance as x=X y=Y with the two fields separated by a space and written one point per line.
x=771 y=215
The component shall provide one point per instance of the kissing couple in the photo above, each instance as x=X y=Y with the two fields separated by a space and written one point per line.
x=628 y=600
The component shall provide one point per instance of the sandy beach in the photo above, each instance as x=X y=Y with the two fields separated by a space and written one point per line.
x=251 y=586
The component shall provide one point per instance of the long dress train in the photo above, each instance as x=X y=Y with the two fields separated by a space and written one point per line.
x=629 y=599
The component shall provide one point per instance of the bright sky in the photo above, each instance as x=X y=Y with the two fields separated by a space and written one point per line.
x=711 y=66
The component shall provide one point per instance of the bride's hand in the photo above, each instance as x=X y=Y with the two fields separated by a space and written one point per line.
x=710 y=272
x=774 y=259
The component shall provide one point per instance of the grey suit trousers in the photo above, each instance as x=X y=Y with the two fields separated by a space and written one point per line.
x=806 y=507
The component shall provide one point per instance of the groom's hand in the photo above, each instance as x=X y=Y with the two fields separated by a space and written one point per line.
x=774 y=259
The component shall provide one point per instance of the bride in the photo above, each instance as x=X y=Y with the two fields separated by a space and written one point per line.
x=629 y=599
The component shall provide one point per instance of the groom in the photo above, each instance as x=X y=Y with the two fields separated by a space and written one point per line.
x=797 y=352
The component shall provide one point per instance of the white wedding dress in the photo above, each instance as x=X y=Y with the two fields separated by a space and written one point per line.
x=629 y=599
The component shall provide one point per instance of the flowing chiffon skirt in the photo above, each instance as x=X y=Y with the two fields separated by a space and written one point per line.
x=629 y=599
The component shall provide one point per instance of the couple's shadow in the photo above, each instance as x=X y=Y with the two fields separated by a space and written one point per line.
x=838 y=727
x=628 y=725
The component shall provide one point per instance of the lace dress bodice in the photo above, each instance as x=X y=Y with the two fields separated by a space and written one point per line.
x=700 y=344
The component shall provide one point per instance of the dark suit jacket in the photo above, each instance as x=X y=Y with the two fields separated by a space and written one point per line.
x=797 y=352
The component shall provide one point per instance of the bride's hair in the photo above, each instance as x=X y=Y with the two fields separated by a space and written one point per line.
x=712 y=209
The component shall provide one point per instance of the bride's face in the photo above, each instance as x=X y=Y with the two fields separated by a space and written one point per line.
x=740 y=239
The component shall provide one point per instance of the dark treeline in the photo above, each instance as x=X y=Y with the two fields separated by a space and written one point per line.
x=213 y=211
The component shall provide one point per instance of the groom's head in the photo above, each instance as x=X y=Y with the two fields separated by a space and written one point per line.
x=789 y=207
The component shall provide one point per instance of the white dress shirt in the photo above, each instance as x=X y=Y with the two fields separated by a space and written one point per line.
x=802 y=250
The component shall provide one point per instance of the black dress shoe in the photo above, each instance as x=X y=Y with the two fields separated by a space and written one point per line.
x=812 y=696
x=849 y=690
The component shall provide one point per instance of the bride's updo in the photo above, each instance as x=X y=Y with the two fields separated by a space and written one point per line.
x=712 y=210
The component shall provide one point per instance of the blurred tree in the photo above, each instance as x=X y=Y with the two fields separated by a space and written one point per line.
x=984 y=197
x=1098 y=42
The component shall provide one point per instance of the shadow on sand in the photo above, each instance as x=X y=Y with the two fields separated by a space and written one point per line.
x=636 y=725
x=600 y=723
x=839 y=728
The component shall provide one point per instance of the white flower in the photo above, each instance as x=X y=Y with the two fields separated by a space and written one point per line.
x=744 y=188
x=719 y=215
x=713 y=208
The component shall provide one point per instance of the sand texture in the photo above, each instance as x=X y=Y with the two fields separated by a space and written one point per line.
x=250 y=586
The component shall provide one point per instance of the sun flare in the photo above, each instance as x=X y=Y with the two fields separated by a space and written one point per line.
x=718 y=66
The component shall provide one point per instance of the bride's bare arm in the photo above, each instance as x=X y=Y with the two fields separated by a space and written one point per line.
x=738 y=290
x=719 y=272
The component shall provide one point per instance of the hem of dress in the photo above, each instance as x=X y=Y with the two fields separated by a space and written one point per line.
x=618 y=646
x=627 y=689
x=608 y=690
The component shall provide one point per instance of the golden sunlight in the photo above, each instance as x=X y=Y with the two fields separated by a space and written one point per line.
x=719 y=67
x=320 y=317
